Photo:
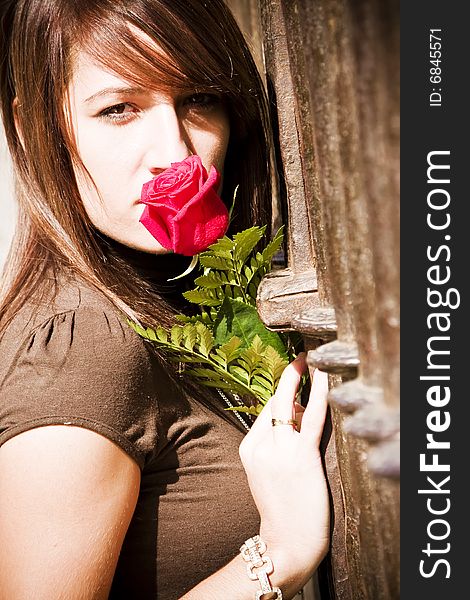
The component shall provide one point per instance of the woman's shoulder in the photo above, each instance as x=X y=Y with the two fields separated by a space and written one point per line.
x=72 y=358
x=70 y=310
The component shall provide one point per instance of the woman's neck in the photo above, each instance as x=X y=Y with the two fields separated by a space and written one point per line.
x=156 y=269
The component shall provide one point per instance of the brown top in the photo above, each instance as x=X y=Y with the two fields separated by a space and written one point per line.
x=76 y=361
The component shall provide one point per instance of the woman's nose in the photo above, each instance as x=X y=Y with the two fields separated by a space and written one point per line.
x=168 y=139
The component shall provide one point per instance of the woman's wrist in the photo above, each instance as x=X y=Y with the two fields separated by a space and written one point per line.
x=290 y=568
x=293 y=562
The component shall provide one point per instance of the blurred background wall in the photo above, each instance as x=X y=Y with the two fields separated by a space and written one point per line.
x=7 y=207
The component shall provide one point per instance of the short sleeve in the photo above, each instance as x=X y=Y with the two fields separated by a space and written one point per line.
x=83 y=367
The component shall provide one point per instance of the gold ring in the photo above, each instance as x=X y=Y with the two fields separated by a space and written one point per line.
x=284 y=422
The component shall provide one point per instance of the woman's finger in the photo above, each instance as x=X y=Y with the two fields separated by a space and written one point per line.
x=282 y=403
x=263 y=420
x=298 y=414
x=314 y=415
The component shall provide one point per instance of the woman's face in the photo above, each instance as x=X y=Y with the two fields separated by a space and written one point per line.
x=127 y=135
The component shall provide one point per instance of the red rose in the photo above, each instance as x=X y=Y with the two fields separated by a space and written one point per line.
x=183 y=211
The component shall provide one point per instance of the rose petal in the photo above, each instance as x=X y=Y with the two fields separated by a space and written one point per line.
x=156 y=221
x=175 y=192
x=199 y=224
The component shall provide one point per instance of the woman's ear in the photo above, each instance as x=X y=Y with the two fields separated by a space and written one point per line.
x=16 y=118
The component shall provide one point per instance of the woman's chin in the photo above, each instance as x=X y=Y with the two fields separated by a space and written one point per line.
x=150 y=247
x=141 y=240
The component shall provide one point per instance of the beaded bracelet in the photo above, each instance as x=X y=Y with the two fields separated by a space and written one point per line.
x=259 y=567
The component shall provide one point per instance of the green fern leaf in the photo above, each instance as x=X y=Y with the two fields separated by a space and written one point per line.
x=231 y=279
x=223 y=248
x=162 y=335
x=247 y=362
x=151 y=335
x=201 y=297
x=263 y=379
x=137 y=328
x=185 y=318
x=253 y=290
x=248 y=272
x=261 y=391
x=240 y=373
x=257 y=345
x=237 y=293
x=176 y=335
x=245 y=242
x=215 y=262
x=226 y=345
x=230 y=350
x=276 y=363
x=255 y=262
x=273 y=246
x=212 y=280
x=189 y=336
x=220 y=360
x=206 y=339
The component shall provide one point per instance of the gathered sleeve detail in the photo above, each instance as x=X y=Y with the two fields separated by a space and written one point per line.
x=83 y=367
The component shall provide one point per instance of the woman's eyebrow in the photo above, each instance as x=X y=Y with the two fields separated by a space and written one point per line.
x=116 y=91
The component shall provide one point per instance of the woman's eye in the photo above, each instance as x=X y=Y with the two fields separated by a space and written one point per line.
x=118 y=112
x=203 y=100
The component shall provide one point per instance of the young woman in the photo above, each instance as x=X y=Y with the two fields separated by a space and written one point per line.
x=117 y=479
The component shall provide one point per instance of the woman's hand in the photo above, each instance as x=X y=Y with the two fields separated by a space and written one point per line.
x=286 y=476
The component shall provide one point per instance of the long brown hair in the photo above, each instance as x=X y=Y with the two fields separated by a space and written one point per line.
x=203 y=49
